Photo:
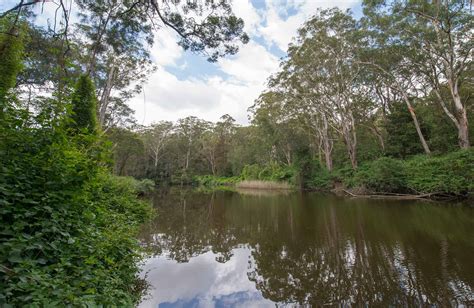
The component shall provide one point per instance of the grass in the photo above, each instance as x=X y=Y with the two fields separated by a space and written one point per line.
x=257 y=184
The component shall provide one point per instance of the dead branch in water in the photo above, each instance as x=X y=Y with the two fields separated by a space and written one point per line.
x=394 y=196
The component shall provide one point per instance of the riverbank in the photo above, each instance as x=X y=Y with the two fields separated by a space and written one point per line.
x=449 y=176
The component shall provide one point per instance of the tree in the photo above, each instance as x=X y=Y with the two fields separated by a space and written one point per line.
x=401 y=135
x=11 y=53
x=117 y=34
x=128 y=149
x=433 y=44
x=84 y=104
x=323 y=77
x=155 y=139
x=189 y=131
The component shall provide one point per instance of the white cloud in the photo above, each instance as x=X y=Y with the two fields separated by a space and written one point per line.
x=253 y=64
x=166 y=51
x=168 y=98
x=203 y=281
x=280 y=29
x=252 y=17
x=171 y=98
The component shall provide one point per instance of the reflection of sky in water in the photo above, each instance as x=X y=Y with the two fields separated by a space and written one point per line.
x=202 y=282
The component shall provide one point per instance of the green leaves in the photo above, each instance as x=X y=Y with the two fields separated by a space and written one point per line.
x=84 y=106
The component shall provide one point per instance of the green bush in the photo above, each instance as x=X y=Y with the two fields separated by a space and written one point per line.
x=84 y=106
x=67 y=227
x=382 y=175
x=215 y=181
x=452 y=173
x=134 y=186
x=251 y=172
x=269 y=172
x=321 y=178
x=345 y=175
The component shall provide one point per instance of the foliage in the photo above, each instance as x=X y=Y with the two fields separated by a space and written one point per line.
x=452 y=173
x=11 y=52
x=318 y=178
x=131 y=185
x=382 y=175
x=216 y=181
x=84 y=106
x=269 y=172
x=67 y=226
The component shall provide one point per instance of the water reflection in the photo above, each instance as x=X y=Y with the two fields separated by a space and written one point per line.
x=231 y=249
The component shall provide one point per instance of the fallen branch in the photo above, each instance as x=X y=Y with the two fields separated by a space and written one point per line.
x=435 y=195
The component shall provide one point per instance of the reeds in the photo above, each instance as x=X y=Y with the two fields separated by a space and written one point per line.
x=263 y=185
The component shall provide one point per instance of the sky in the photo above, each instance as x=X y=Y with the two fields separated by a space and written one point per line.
x=186 y=84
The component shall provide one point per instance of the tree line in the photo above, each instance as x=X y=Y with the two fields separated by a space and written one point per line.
x=397 y=82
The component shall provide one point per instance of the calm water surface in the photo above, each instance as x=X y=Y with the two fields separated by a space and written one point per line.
x=259 y=249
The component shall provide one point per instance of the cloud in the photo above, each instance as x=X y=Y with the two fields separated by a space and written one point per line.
x=253 y=64
x=231 y=85
x=252 y=17
x=166 y=51
x=279 y=28
x=203 y=282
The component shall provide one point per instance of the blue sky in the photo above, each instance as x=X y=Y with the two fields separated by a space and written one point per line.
x=186 y=84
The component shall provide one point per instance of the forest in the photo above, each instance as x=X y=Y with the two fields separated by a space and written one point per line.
x=380 y=104
x=377 y=104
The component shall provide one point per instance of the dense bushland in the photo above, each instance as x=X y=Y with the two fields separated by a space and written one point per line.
x=67 y=225
x=351 y=100
x=451 y=174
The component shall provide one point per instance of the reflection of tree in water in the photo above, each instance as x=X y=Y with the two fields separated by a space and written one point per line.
x=189 y=224
x=324 y=251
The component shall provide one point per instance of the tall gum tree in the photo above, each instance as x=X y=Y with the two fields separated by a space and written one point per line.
x=324 y=62
x=435 y=39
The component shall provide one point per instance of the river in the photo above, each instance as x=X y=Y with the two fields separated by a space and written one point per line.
x=262 y=248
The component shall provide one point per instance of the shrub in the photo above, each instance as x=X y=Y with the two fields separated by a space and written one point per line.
x=269 y=172
x=67 y=227
x=215 y=181
x=452 y=173
x=321 y=179
x=382 y=175
x=250 y=172
x=345 y=175
x=145 y=186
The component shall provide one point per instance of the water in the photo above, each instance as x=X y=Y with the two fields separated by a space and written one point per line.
x=258 y=249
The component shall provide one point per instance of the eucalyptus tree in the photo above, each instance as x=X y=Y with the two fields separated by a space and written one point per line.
x=421 y=47
x=275 y=116
x=324 y=63
x=189 y=132
x=216 y=144
x=155 y=138
x=441 y=35
x=303 y=102
x=110 y=42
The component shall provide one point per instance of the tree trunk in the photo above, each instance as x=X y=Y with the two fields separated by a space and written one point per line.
x=350 y=139
x=104 y=100
x=287 y=152
x=327 y=143
x=417 y=124
x=461 y=115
